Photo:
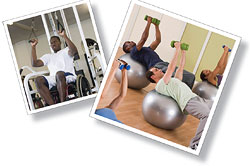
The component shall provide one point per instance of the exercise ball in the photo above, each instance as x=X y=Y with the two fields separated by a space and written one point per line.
x=162 y=111
x=136 y=74
x=205 y=90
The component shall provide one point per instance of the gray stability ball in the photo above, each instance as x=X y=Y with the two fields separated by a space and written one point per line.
x=205 y=90
x=162 y=111
x=136 y=75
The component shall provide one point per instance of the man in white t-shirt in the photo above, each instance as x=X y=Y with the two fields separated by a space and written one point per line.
x=189 y=102
x=60 y=64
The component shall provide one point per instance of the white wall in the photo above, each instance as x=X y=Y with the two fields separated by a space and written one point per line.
x=171 y=29
x=22 y=51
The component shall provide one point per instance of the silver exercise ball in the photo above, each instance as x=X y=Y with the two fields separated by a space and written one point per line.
x=205 y=90
x=136 y=74
x=162 y=111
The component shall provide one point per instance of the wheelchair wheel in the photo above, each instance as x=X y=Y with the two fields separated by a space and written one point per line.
x=83 y=87
x=37 y=102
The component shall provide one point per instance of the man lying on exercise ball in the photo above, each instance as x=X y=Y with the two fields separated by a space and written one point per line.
x=60 y=65
x=147 y=55
x=174 y=87
x=214 y=77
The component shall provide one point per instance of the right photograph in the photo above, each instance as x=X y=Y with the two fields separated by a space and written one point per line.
x=165 y=76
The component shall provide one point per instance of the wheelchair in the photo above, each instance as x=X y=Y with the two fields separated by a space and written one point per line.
x=76 y=89
x=79 y=88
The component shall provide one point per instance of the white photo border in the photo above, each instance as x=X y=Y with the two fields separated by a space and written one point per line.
x=185 y=19
x=10 y=21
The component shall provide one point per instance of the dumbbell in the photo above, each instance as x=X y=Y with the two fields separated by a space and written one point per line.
x=31 y=41
x=229 y=50
x=122 y=66
x=184 y=46
x=154 y=20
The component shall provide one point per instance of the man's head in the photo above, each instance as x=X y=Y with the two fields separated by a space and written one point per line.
x=154 y=74
x=127 y=46
x=55 y=43
x=204 y=74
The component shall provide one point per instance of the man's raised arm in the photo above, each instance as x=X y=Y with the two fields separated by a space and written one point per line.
x=172 y=65
x=157 y=41
x=144 y=36
x=34 y=61
x=220 y=67
x=71 y=45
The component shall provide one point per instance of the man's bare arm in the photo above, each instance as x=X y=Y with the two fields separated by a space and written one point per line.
x=71 y=45
x=157 y=41
x=123 y=92
x=112 y=72
x=144 y=36
x=172 y=65
x=34 y=61
x=219 y=69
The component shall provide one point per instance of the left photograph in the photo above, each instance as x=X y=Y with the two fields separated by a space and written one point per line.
x=57 y=55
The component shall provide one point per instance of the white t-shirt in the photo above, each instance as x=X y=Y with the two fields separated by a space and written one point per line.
x=60 y=61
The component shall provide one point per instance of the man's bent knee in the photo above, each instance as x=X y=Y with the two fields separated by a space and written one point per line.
x=60 y=76
x=39 y=81
x=204 y=114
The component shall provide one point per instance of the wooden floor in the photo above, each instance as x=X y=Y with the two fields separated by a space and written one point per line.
x=130 y=113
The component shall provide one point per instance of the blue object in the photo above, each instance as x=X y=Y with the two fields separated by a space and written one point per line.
x=124 y=66
x=127 y=67
x=229 y=50
x=107 y=113
x=121 y=67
